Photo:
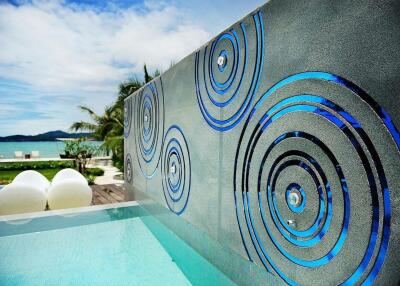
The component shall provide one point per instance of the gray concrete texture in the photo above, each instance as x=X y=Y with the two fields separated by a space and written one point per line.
x=298 y=99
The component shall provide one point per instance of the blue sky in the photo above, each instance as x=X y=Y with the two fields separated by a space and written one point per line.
x=56 y=55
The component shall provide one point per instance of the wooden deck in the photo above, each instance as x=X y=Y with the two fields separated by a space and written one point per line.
x=107 y=194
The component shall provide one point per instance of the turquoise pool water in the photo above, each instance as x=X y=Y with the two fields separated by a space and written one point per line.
x=120 y=246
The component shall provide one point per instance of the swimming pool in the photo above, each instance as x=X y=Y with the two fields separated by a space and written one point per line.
x=113 y=246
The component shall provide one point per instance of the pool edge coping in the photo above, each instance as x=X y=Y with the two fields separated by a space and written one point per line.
x=32 y=215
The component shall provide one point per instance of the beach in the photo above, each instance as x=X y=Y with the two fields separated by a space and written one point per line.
x=47 y=149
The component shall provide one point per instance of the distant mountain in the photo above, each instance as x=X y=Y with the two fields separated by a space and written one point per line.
x=48 y=136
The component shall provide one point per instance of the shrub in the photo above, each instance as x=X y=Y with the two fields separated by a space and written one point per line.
x=94 y=172
x=118 y=162
x=79 y=147
x=35 y=165
x=90 y=179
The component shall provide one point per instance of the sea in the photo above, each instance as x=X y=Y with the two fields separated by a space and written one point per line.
x=47 y=149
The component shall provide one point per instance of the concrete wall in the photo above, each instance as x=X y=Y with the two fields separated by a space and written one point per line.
x=279 y=139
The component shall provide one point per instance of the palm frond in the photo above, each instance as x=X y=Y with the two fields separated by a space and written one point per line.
x=92 y=114
x=83 y=126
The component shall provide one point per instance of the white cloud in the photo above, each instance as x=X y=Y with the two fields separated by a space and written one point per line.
x=55 y=46
x=78 y=52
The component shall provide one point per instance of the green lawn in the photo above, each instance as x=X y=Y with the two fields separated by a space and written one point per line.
x=7 y=176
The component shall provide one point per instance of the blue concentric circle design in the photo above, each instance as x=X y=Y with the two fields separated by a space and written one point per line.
x=261 y=204
x=230 y=86
x=127 y=116
x=321 y=223
x=176 y=170
x=128 y=168
x=149 y=127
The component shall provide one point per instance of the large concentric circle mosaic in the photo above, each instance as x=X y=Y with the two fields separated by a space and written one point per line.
x=127 y=116
x=313 y=185
x=149 y=127
x=176 y=170
x=227 y=73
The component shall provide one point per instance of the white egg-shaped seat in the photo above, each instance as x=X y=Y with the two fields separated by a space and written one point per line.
x=33 y=178
x=69 y=193
x=20 y=197
x=69 y=174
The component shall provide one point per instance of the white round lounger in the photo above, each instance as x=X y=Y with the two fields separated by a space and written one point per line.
x=67 y=174
x=20 y=197
x=33 y=178
x=69 y=189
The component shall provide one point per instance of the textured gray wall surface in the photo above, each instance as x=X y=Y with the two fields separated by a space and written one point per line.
x=279 y=138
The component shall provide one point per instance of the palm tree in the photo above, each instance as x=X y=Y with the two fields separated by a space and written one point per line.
x=147 y=76
x=100 y=125
x=109 y=127
x=126 y=89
